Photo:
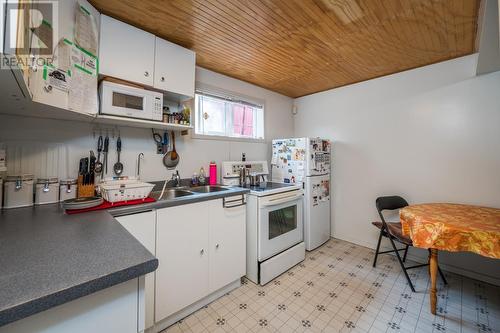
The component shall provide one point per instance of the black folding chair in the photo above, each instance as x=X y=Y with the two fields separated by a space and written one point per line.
x=394 y=232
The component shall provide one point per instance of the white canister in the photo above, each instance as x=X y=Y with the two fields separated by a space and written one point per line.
x=67 y=189
x=18 y=191
x=46 y=191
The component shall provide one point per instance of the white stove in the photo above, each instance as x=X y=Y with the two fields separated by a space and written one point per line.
x=275 y=235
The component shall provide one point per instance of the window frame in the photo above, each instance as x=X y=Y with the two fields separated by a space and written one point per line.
x=232 y=97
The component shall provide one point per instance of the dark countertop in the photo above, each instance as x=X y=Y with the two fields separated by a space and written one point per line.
x=48 y=258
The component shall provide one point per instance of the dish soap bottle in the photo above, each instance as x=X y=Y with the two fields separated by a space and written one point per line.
x=202 y=177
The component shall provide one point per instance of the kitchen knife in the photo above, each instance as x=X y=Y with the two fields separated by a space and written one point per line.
x=80 y=168
x=92 y=167
x=85 y=170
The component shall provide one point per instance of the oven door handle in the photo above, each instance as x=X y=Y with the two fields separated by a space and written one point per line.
x=279 y=201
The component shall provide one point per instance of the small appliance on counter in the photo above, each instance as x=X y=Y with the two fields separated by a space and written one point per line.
x=46 y=191
x=18 y=191
x=124 y=190
x=307 y=162
x=275 y=235
x=127 y=101
x=67 y=189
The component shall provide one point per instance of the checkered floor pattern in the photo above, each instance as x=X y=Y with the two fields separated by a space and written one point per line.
x=336 y=289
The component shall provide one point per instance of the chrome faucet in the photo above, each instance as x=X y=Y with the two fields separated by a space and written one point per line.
x=141 y=155
x=176 y=178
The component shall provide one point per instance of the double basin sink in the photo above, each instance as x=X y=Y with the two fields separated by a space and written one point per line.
x=172 y=193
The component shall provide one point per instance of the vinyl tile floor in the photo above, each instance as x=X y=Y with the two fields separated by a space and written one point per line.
x=336 y=289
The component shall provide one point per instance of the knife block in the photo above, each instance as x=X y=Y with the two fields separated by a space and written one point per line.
x=85 y=191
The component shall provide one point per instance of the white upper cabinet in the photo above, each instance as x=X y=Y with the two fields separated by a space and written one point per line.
x=174 y=68
x=126 y=52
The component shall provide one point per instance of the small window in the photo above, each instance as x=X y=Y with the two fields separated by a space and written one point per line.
x=228 y=117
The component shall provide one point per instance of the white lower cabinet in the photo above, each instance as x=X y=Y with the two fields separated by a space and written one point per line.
x=182 y=251
x=201 y=248
x=227 y=236
x=114 y=309
x=143 y=227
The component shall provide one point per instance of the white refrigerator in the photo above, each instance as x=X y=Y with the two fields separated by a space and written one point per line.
x=307 y=161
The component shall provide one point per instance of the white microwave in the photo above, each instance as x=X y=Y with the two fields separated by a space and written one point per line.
x=126 y=101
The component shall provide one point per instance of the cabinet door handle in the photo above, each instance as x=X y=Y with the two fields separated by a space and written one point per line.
x=202 y=251
x=216 y=246
x=146 y=73
x=162 y=79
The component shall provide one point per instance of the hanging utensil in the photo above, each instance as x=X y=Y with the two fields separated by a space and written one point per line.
x=105 y=151
x=171 y=159
x=118 y=167
x=161 y=143
x=165 y=146
x=98 y=164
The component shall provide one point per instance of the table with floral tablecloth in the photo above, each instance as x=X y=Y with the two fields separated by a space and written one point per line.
x=452 y=227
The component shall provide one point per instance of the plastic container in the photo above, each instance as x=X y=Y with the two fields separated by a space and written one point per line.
x=124 y=190
x=18 y=191
x=67 y=189
x=213 y=173
x=202 y=178
x=46 y=191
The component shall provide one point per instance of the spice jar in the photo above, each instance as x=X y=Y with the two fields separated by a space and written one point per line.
x=67 y=189
x=18 y=191
x=46 y=191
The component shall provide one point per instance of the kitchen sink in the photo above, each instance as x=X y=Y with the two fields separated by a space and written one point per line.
x=208 y=189
x=170 y=194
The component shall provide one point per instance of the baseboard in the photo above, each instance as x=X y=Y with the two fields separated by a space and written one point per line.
x=459 y=270
x=169 y=321
x=419 y=259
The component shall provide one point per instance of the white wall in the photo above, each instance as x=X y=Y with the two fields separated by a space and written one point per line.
x=431 y=135
x=194 y=153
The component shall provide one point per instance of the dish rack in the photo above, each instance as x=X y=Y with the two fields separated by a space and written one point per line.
x=124 y=190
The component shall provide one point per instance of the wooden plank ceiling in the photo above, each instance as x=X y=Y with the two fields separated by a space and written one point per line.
x=298 y=47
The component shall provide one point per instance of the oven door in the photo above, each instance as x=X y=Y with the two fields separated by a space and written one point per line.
x=280 y=223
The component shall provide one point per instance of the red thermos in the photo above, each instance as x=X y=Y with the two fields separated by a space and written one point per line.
x=213 y=173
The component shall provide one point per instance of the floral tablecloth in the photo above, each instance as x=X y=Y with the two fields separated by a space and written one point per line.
x=453 y=227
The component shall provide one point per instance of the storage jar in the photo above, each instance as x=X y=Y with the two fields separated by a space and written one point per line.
x=18 y=191
x=46 y=191
x=67 y=189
